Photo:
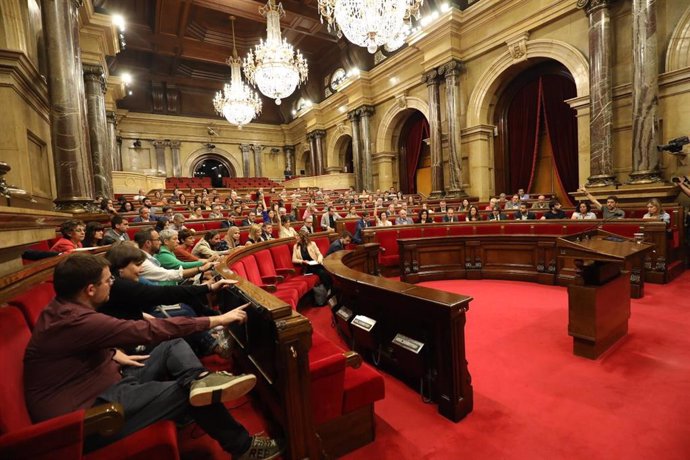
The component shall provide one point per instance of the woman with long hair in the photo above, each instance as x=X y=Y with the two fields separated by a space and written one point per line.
x=424 y=217
x=583 y=211
x=93 y=235
x=656 y=212
x=285 y=228
x=382 y=220
x=473 y=215
x=307 y=254
x=254 y=234
x=232 y=238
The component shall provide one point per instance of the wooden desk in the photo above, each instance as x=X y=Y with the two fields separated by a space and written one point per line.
x=432 y=317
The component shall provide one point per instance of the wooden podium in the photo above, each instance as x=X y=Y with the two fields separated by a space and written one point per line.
x=599 y=298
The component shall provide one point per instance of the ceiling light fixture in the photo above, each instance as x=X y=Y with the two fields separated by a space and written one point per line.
x=236 y=101
x=274 y=66
x=370 y=23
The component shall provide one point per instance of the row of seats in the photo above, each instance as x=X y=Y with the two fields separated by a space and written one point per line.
x=247 y=182
x=338 y=389
x=187 y=182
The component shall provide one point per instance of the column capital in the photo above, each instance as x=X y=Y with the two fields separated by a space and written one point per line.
x=430 y=77
x=450 y=68
x=289 y=148
x=111 y=116
x=592 y=5
x=175 y=144
x=353 y=116
x=365 y=111
x=244 y=148
x=160 y=144
x=77 y=3
x=257 y=148
x=94 y=73
x=319 y=133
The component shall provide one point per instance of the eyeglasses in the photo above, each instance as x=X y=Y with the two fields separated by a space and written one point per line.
x=110 y=281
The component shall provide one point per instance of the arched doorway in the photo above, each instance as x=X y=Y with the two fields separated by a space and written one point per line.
x=214 y=167
x=415 y=155
x=306 y=160
x=344 y=149
x=537 y=144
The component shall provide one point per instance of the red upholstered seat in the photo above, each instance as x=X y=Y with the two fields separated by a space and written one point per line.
x=60 y=437
x=212 y=225
x=363 y=386
x=198 y=226
x=489 y=229
x=435 y=231
x=327 y=371
x=522 y=228
x=548 y=229
x=288 y=294
x=462 y=229
x=323 y=243
x=31 y=303
x=267 y=270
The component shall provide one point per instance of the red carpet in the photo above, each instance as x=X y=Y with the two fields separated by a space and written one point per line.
x=534 y=399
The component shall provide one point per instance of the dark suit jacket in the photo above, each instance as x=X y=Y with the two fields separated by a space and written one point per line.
x=530 y=215
x=361 y=224
x=447 y=219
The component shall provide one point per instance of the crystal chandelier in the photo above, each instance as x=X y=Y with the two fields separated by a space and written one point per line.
x=370 y=23
x=275 y=67
x=236 y=102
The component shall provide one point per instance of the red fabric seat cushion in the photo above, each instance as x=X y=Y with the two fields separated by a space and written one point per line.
x=363 y=386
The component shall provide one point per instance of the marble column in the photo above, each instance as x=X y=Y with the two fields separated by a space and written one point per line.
x=175 y=149
x=312 y=153
x=289 y=160
x=600 y=93
x=645 y=90
x=257 y=149
x=244 y=148
x=319 y=155
x=356 y=155
x=71 y=150
x=101 y=158
x=365 y=112
x=431 y=80
x=451 y=72
x=159 y=146
x=115 y=156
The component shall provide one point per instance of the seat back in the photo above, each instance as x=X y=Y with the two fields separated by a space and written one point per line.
x=282 y=256
x=14 y=336
x=265 y=263
x=323 y=243
x=32 y=302
x=252 y=269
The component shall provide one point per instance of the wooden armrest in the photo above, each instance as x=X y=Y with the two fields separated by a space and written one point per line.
x=269 y=287
x=288 y=271
x=353 y=359
x=105 y=419
x=273 y=279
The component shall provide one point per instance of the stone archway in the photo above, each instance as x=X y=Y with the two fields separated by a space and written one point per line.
x=340 y=150
x=678 y=51
x=479 y=131
x=335 y=141
x=501 y=71
x=217 y=154
x=392 y=121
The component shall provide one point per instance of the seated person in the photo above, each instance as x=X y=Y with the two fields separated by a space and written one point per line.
x=450 y=216
x=285 y=228
x=73 y=233
x=492 y=202
x=473 y=214
x=251 y=217
x=341 y=243
x=524 y=214
x=183 y=251
x=424 y=217
x=656 y=212
x=197 y=213
x=465 y=206
x=522 y=195
x=362 y=223
x=93 y=235
x=583 y=211
x=496 y=214
x=266 y=231
x=514 y=203
x=144 y=215
x=611 y=210
x=540 y=203
x=215 y=212
x=307 y=254
x=74 y=361
x=328 y=219
x=308 y=225
x=555 y=211
x=403 y=219
x=166 y=255
x=254 y=235
x=131 y=299
x=206 y=247
x=178 y=223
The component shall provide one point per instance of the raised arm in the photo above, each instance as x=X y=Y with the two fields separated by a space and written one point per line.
x=589 y=196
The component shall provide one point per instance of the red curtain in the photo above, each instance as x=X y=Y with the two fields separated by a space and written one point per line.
x=418 y=130
x=523 y=135
x=562 y=127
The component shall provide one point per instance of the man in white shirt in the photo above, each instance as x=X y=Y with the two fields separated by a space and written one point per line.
x=149 y=242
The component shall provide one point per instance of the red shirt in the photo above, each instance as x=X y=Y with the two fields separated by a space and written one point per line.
x=64 y=245
x=68 y=361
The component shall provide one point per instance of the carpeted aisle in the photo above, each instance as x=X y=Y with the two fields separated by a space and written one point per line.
x=534 y=399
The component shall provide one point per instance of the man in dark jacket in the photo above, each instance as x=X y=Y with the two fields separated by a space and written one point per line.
x=341 y=243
